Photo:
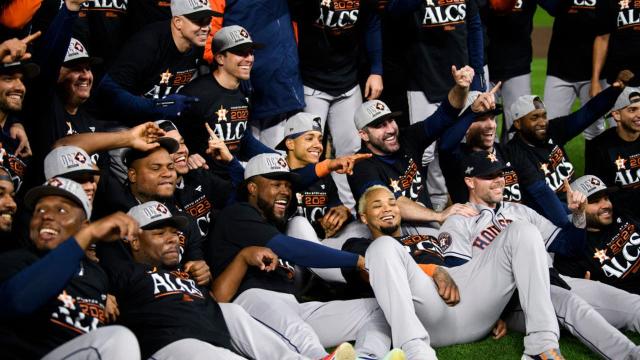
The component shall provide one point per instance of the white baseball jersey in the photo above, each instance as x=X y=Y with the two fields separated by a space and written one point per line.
x=464 y=237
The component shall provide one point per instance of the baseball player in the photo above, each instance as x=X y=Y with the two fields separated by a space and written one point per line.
x=154 y=64
x=536 y=151
x=201 y=192
x=612 y=236
x=310 y=327
x=613 y=155
x=396 y=158
x=319 y=214
x=53 y=298
x=477 y=126
x=591 y=311
x=430 y=305
x=152 y=290
x=222 y=104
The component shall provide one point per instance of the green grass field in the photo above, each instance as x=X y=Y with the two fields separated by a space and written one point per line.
x=511 y=347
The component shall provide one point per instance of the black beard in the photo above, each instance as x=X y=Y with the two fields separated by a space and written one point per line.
x=389 y=230
x=267 y=211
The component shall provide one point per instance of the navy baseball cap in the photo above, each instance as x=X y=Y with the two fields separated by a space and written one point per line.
x=131 y=155
x=28 y=69
x=481 y=163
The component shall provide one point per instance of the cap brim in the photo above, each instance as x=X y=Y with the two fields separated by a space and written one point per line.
x=199 y=15
x=489 y=171
x=71 y=174
x=38 y=192
x=176 y=221
x=29 y=70
x=382 y=118
x=92 y=60
x=603 y=192
x=245 y=47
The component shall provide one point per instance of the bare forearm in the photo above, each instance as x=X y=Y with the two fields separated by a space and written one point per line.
x=600 y=45
x=226 y=285
x=412 y=211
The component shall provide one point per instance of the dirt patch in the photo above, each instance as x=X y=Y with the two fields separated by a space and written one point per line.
x=540 y=41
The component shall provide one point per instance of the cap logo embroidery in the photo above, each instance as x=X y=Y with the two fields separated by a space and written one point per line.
x=161 y=208
x=244 y=33
x=380 y=106
x=468 y=170
x=55 y=183
x=492 y=158
x=80 y=158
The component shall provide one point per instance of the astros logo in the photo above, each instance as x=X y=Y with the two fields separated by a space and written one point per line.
x=161 y=208
x=80 y=158
x=244 y=33
x=379 y=106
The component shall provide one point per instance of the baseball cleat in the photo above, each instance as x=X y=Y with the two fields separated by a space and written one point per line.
x=344 y=351
x=553 y=354
x=395 y=354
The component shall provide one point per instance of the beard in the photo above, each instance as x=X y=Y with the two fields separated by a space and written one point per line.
x=267 y=211
x=389 y=230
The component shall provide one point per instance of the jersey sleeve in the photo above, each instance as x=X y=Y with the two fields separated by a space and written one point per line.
x=454 y=238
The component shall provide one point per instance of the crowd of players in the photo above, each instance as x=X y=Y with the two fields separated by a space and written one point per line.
x=232 y=185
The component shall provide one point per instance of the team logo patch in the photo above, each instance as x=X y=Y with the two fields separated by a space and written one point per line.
x=380 y=106
x=54 y=182
x=282 y=163
x=161 y=208
x=444 y=239
x=492 y=158
x=244 y=33
x=80 y=158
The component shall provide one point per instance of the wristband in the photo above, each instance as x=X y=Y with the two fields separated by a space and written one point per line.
x=322 y=168
x=428 y=269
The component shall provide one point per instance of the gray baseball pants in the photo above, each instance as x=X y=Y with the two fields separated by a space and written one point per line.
x=419 y=109
x=105 y=343
x=559 y=96
x=338 y=113
x=248 y=337
x=299 y=227
x=510 y=91
x=588 y=323
x=420 y=319
x=308 y=328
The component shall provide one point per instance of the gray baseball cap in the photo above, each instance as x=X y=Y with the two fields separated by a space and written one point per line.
x=629 y=95
x=592 y=187
x=299 y=124
x=373 y=112
x=525 y=104
x=131 y=155
x=77 y=52
x=191 y=9
x=269 y=165
x=67 y=161
x=152 y=215
x=231 y=38
x=58 y=186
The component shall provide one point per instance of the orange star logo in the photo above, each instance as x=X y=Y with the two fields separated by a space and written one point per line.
x=164 y=77
x=492 y=157
x=620 y=162
x=222 y=113
x=601 y=255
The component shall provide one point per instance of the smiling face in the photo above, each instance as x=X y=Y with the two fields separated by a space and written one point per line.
x=7 y=205
x=382 y=138
x=194 y=31
x=306 y=148
x=272 y=197
x=486 y=190
x=154 y=176
x=533 y=126
x=89 y=183
x=379 y=210
x=55 y=219
x=76 y=82
x=179 y=157
x=482 y=133
x=628 y=119
x=157 y=247
x=12 y=92
x=599 y=212
x=236 y=63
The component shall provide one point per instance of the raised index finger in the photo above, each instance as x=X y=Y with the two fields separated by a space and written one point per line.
x=212 y=134
x=495 y=88
x=357 y=157
x=30 y=38
x=567 y=187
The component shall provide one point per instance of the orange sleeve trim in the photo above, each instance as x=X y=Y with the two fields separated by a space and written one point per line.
x=216 y=24
x=322 y=168
x=428 y=269
x=18 y=14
